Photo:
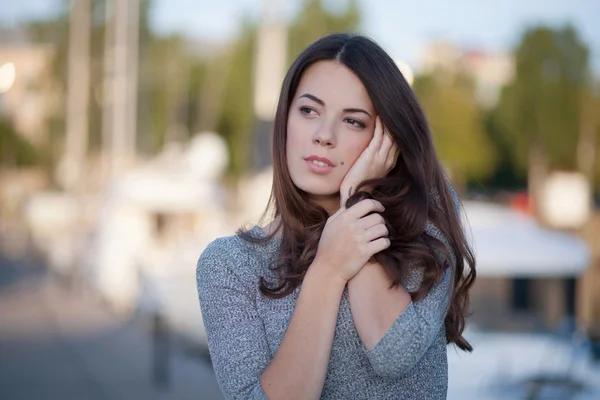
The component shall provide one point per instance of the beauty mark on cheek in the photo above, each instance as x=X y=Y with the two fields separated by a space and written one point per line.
x=342 y=163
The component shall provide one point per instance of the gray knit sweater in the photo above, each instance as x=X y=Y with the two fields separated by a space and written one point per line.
x=244 y=330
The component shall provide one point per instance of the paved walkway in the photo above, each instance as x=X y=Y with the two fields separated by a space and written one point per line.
x=54 y=345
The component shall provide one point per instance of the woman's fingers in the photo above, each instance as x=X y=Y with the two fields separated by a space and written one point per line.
x=377 y=231
x=379 y=245
x=363 y=208
x=389 y=149
x=378 y=136
x=396 y=152
x=386 y=144
x=392 y=156
x=371 y=220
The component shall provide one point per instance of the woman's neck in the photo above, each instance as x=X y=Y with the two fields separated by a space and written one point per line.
x=330 y=203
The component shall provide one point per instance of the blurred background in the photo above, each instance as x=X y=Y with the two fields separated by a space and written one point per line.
x=134 y=132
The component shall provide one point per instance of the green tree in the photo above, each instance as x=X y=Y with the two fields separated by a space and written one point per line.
x=165 y=67
x=539 y=114
x=314 y=20
x=456 y=123
x=15 y=151
x=236 y=119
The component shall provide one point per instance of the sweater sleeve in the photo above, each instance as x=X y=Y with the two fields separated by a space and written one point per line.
x=413 y=332
x=235 y=333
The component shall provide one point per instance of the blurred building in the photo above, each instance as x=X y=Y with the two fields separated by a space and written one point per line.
x=25 y=85
x=490 y=71
x=528 y=275
x=441 y=55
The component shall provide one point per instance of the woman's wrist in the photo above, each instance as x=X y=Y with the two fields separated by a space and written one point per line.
x=366 y=274
x=323 y=273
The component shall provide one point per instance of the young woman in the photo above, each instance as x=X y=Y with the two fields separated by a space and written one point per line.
x=358 y=283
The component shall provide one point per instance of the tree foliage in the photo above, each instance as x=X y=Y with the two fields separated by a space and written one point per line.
x=314 y=20
x=456 y=124
x=16 y=151
x=543 y=104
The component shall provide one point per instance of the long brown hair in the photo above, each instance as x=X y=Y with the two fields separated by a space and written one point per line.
x=414 y=192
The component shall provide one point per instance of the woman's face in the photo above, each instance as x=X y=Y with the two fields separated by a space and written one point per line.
x=331 y=121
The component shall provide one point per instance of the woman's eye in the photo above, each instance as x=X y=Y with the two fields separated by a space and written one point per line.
x=307 y=111
x=356 y=123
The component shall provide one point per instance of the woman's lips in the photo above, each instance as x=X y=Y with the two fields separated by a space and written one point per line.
x=318 y=169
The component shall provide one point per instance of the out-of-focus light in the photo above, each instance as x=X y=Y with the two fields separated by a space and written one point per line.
x=565 y=201
x=406 y=71
x=7 y=76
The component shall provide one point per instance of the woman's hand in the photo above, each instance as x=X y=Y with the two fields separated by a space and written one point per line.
x=376 y=161
x=351 y=237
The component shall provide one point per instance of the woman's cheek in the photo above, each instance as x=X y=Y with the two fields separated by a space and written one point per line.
x=347 y=163
x=351 y=159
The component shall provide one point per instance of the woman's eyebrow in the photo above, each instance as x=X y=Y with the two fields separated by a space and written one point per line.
x=346 y=110
x=313 y=98
x=356 y=110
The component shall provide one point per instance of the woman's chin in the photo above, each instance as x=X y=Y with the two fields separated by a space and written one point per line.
x=320 y=191
x=324 y=195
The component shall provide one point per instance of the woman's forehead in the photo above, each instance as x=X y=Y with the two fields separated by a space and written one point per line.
x=334 y=84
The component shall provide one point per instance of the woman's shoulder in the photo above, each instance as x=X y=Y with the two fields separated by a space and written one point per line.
x=455 y=198
x=231 y=255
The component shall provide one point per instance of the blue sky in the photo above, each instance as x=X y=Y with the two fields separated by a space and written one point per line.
x=401 y=26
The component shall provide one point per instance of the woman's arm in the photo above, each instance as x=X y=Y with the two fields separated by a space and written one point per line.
x=299 y=367
x=395 y=331
x=237 y=339
x=374 y=305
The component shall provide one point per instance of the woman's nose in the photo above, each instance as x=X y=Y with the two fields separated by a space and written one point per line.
x=324 y=136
